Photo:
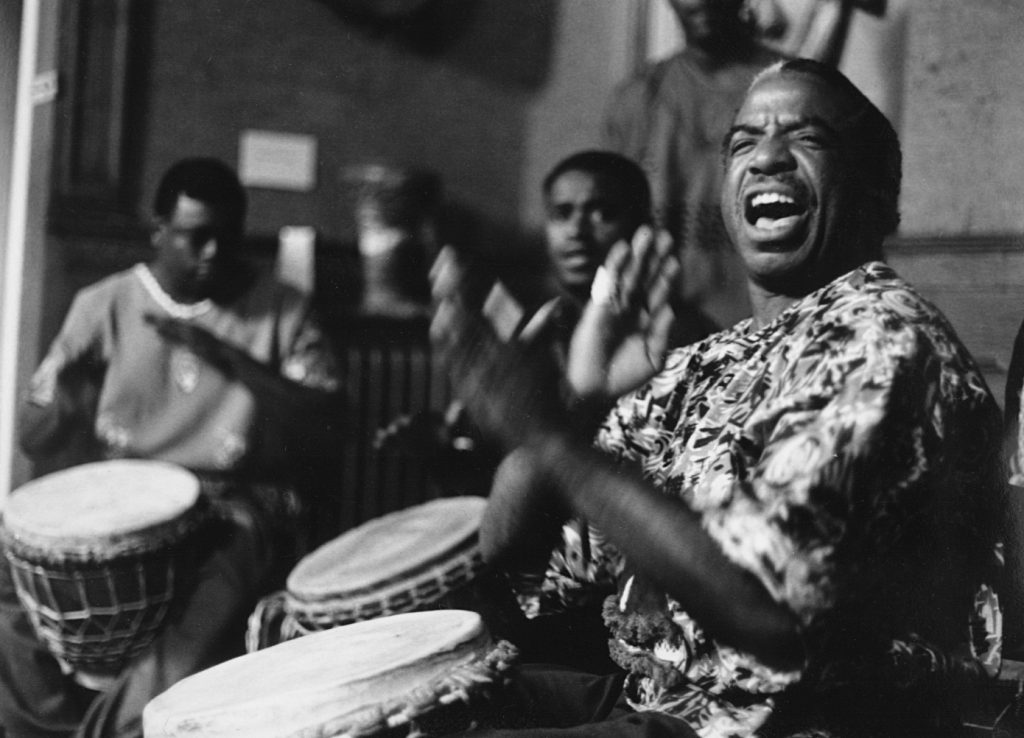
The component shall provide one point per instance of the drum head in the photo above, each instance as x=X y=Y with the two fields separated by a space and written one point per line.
x=98 y=506
x=337 y=681
x=385 y=549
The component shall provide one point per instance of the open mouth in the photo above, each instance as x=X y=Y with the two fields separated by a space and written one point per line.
x=774 y=214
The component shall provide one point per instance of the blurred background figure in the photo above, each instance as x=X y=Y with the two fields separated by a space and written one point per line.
x=396 y=215
x=671 y=118
x=592 y=200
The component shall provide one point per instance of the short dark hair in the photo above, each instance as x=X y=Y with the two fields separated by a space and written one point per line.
x=871 y=140
x=205 y=179
x=626 y=173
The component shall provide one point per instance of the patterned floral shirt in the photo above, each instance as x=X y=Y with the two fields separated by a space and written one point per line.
x=846 y=455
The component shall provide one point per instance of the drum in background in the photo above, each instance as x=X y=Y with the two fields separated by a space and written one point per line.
x=426 y=556
x=357 y=680
x=99 y=554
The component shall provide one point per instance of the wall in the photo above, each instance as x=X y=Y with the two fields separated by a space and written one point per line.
x=963 y=118
x=450 y=93
x=963 y=191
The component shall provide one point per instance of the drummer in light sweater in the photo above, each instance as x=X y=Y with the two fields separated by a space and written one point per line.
x=197 y=359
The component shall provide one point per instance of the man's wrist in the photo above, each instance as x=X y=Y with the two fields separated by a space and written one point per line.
x=586 y=413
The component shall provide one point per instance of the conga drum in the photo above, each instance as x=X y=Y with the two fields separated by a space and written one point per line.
x=394 y=674
x=99 y=554
x=426 y=556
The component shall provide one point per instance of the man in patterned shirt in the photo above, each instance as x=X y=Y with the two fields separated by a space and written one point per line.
x=200 y=360
x=799 y=512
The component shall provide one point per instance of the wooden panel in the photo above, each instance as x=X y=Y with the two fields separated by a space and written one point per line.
x=978 y=284
x=94 y=172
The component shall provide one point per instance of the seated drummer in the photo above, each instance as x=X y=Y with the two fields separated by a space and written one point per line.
x=592 y=200
x=198 y=359
x=798 y=510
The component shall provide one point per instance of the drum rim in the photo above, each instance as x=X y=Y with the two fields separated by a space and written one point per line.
x=463 y=681
x=151 y=539
x=459 y=571
x=39 y=546
x=461 y=684
x=457 y=551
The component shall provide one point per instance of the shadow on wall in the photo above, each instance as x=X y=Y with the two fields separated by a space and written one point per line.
x=523 y=29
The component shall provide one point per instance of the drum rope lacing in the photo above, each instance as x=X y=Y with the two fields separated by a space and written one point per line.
x=295 y=617
x=461 y=684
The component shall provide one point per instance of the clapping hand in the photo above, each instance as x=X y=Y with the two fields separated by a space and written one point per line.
x=621 y=339
x=510 y=390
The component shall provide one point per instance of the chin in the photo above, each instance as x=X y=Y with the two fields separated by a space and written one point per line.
x=781 y=270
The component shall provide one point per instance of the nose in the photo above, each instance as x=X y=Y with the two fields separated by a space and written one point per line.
x=208 y=250
x=579 y=222
x=772 y=156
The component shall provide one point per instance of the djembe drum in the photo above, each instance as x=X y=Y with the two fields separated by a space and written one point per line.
x=426 y=556
x=99 y=554
x=393 y=674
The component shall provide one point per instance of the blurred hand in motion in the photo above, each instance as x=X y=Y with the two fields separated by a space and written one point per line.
x=427 y=433
x=511 y=391
x=622 y=336
x=422 y=434
x=200 y=341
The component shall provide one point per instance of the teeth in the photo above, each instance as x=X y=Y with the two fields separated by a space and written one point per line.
x=771 y=198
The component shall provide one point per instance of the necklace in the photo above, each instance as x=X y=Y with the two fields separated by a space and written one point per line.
x=179 y=310
x=184 y=364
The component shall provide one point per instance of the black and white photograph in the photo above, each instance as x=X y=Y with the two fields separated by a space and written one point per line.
x=511 y=369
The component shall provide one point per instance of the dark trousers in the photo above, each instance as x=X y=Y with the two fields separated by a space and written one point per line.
x=556 y=702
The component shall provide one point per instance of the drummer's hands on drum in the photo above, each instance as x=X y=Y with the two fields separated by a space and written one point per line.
x=510 y=390
x=622 y=336
x=62 y=399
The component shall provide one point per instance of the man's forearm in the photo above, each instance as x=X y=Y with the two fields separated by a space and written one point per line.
x=663 y=538
x=313 y=418
x=522 y=522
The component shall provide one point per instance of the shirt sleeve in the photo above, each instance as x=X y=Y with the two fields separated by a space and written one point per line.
x=80 y=342
x=56 y=412
x=873 y=452
x=1012 y=408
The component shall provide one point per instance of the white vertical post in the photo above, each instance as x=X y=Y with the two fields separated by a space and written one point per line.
x=13 y=256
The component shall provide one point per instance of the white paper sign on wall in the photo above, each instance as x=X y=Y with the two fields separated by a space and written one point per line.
x=283 y=161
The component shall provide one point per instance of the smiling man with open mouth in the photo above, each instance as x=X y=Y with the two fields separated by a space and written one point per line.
x=794 y=201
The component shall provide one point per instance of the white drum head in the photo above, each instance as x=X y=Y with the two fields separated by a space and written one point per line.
x=384 y=549
x=99 y=504
x=329 y=683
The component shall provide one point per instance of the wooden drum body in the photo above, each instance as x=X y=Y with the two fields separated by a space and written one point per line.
x=356 y=680
x=99 y=554
x=425 y=556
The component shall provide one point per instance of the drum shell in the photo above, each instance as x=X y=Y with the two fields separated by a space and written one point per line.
x=95 y=614
x=436 y=576
x=391 y=676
